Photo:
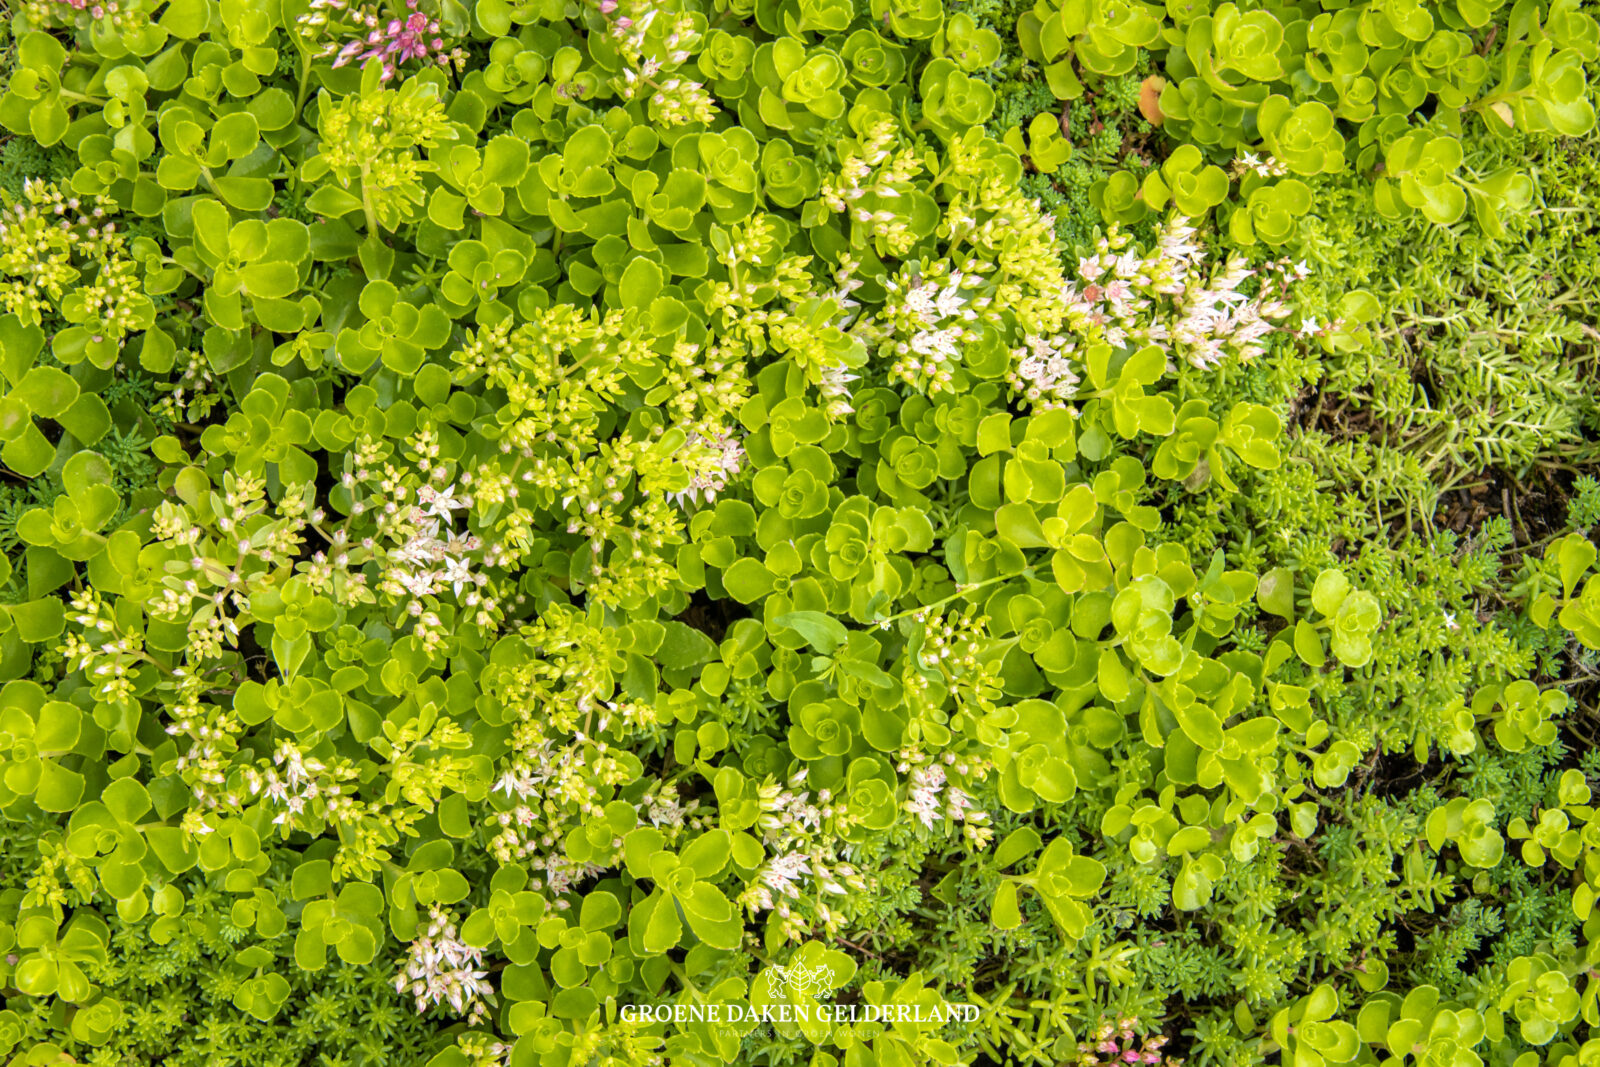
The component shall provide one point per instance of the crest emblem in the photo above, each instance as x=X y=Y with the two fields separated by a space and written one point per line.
x=811 y=982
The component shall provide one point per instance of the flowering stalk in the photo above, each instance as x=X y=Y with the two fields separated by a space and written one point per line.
x=1116 y=1043
x=654 y=42
x=360 y=33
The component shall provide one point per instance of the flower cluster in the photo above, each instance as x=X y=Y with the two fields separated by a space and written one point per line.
x=714 y=458
x=65 y=255
x=562 y=374
x=834 y=377
x=665 y=809
x=106 y=654
x=1116 y=1043
x=426 y=555
x=484 y=1050
x=1043 y=370
x=212 y=733
x=995 y=230
x=222 y=562
x=296 y=780
x=1263 y=166
x=560 y=771
x=654 y=43
x=552 y=787
x=932 y=798
x=60 y=880
x=953 y=644
x=360 y=33
x=194 y=394
x=927 y=322
x=440 y=969
x=309 y=794
x=369 y=143
x=1171 y=296
x=872 y=184
x=116 y=17
x=803 y=878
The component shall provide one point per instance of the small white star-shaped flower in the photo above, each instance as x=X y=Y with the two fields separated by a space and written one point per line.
x=443 y=501
x=456 y=573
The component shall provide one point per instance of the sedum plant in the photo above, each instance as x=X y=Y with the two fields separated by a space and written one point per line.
x=522 y=511
x=1377 y=86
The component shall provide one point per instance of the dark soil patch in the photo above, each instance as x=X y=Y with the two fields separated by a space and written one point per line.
x=1340 y=417
x=1535 y=505
x=259 y=665
x=712 y=617
x=1396 y=774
